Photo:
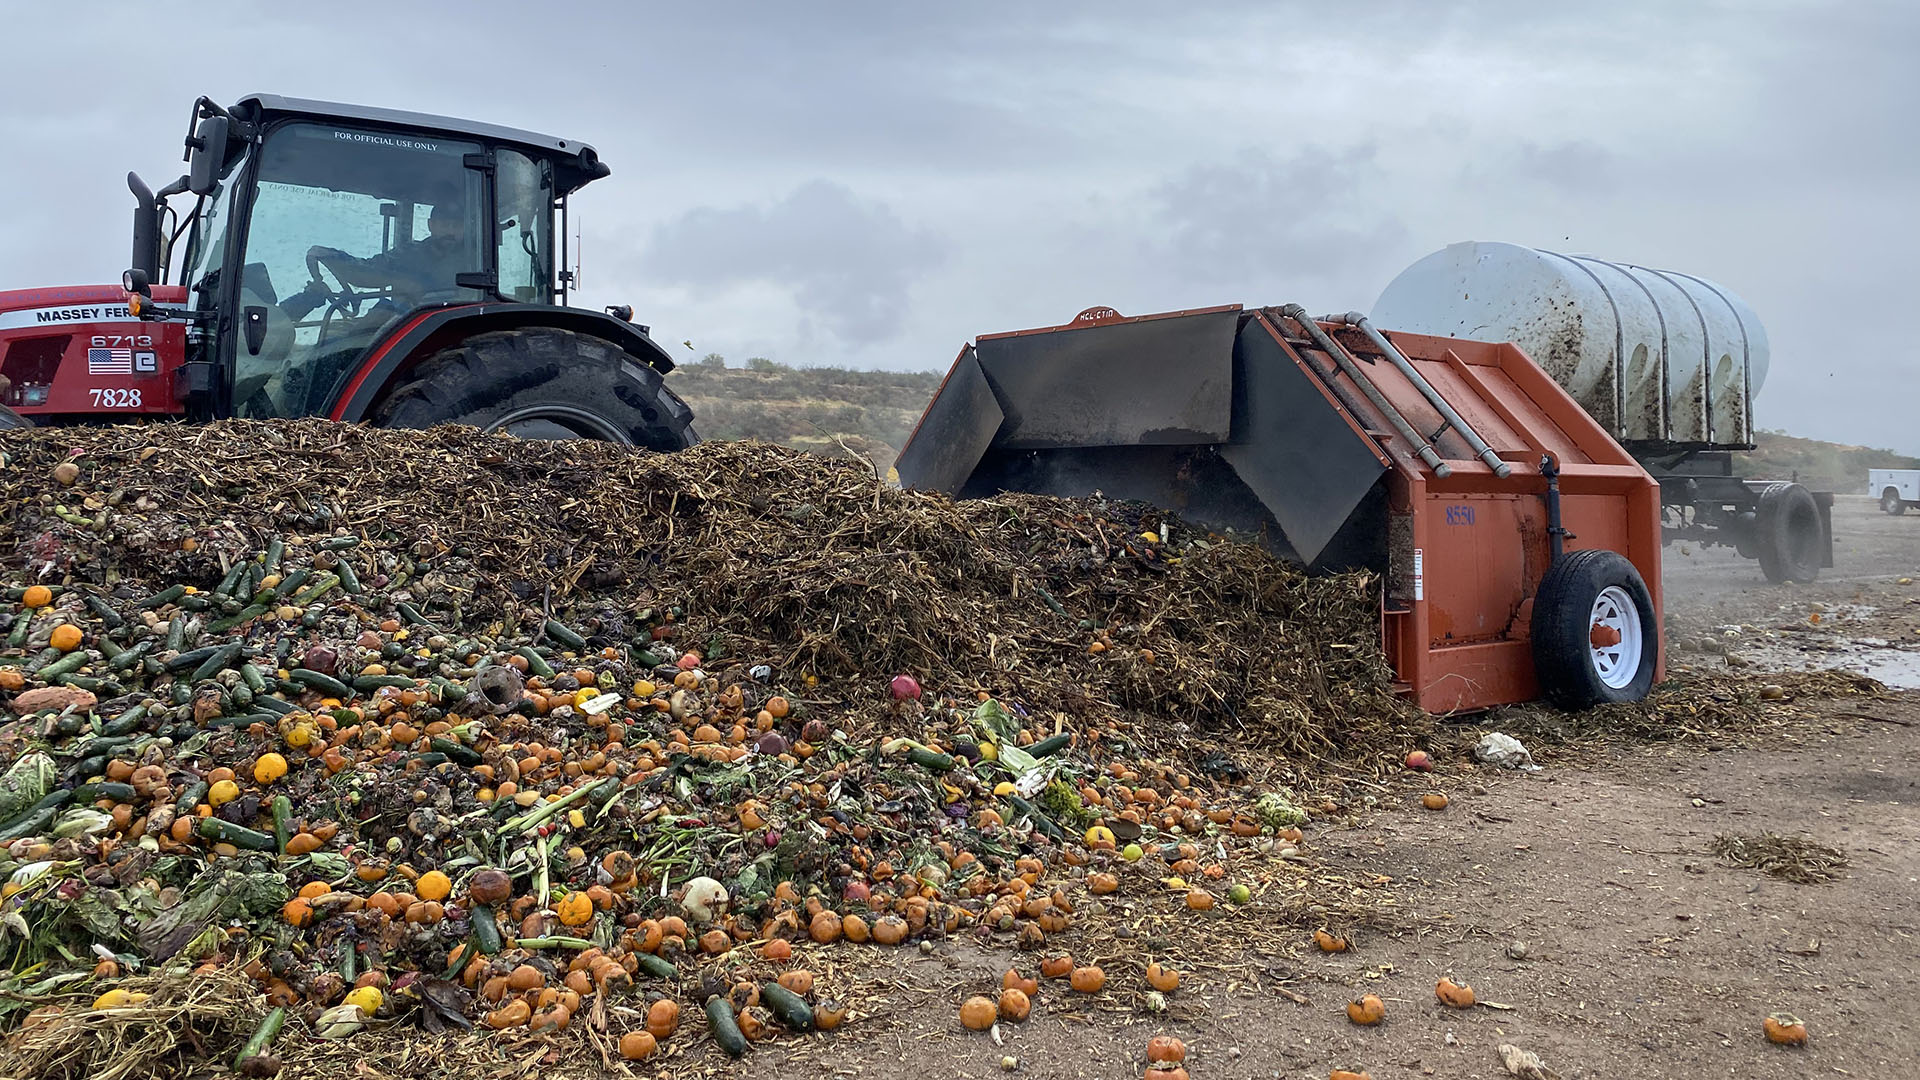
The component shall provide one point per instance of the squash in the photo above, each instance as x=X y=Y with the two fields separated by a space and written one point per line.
x=1015 y=1005
x=799 y=980
x=1088 y=980
x=663 y=1017
x=978 y=1013
x=1329 y=942
x=1057 y=967
x=635 y=1045
x=829 y=1014
x=1162 y=978
x=1012 y=981
x=1166 y=1049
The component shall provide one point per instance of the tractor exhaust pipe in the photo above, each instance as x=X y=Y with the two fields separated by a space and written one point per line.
x=146 y=228
x=1479 y=445
x=1422 y=448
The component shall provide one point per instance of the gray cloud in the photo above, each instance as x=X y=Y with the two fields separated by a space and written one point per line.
x=1577 y=166
x=848 y=262
x=1314 y=214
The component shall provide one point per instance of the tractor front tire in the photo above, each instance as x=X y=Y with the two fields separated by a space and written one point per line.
x=1787 y=522
x=1596 y=637
x=542 y=383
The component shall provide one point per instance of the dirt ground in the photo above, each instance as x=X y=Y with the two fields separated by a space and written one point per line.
x=1584 y=897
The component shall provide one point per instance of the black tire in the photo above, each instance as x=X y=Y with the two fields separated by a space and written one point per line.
x=1566 y=661
x=1892 y=503
x=1788 y=534
x=542 y=383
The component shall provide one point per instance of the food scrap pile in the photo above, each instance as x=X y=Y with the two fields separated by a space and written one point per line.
x=454 y=731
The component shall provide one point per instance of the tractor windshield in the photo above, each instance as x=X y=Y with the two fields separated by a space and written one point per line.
x=349 y=231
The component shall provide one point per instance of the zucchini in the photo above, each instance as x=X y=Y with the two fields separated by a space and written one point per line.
x=564 y=634
x=349 y=580
x=22 y=624
x=228 y=583
x=1050 y=746
x=66 y=665
x=292 y=582
x=130 y=657
x=657 y=966
x=367 y=684
x=98 y=687
x=930 y=760
x=192 y=658
x=320 y=587
x=326 y=684
x=726 y=1031
x=272 y=704
x=339 y=543
x=226 y=832
x=790 y=1008
x=486 y=931
x=1041 y=822
x=270 y=562
x=255 y=679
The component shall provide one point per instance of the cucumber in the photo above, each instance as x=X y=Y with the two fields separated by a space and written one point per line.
x=245 y=614
x=326 y=684
x=283 y=828
x=535 y=662
x=36 y=817
x=126 y=722
x=190 y=798
x=930 y=760
x=164 y=597
x=102 y=611
x=486 y=931
x=790 y=1008
x=349 y=580
x=1050 y=746
x=221 y=660
x=564 y=634
x=456 y=751
x=263 y=1035
x=726 y=1031
x=270 y=562
x=657 y=966
x=413 y=616
x=105 y=789
x=238 y=835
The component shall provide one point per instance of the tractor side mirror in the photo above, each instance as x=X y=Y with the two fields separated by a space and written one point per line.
x=206 y=152
x=255 y=319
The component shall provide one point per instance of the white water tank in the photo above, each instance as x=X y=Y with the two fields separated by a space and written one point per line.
x=1662 y=359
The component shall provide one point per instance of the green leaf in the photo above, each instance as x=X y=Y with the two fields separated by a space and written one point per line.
x=996 y=722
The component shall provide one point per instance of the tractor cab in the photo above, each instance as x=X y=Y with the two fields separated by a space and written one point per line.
x=318 y=230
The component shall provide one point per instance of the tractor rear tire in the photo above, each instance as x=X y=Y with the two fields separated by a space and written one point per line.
x=1787 y=524
x=1892 y=503
x=1596 y=637
x=542 y=383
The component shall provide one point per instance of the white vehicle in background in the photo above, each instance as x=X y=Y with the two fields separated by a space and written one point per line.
x=1897 y=489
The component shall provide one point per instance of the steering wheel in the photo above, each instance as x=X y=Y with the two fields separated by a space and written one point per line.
x=338 y=299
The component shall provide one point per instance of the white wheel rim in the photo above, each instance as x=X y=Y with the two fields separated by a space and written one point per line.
x=1615 y=617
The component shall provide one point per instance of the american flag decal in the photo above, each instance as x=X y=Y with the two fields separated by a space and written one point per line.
x=109 y=361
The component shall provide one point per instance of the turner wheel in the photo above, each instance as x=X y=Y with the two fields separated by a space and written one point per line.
x=1596 y=637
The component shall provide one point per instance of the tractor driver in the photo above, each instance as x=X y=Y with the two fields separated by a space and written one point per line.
x=413 y=270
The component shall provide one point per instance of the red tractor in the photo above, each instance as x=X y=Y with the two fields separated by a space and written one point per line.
x=355 y=263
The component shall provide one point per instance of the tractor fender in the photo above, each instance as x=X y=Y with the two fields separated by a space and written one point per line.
x=426 y=332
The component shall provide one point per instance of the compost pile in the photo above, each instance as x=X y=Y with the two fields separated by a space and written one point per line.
x=444 y=729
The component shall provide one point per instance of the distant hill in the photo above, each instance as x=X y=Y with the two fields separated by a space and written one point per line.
x=873 y=412
x=1822 y=466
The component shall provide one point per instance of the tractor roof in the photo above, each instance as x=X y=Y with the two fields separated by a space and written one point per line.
x=269 y=106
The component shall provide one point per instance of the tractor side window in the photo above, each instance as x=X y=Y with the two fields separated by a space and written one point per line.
x=206 y=247
x=523 y=203
x=349 y=231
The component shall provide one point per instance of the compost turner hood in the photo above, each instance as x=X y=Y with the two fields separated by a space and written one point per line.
x=1456 y=469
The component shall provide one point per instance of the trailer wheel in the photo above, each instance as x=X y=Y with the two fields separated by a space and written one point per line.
x=1595 y=635
x=1892 y=503
x=542 y=383
x=1787 y=522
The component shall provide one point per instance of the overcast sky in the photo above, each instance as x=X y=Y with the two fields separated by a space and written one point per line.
x=872 y=184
